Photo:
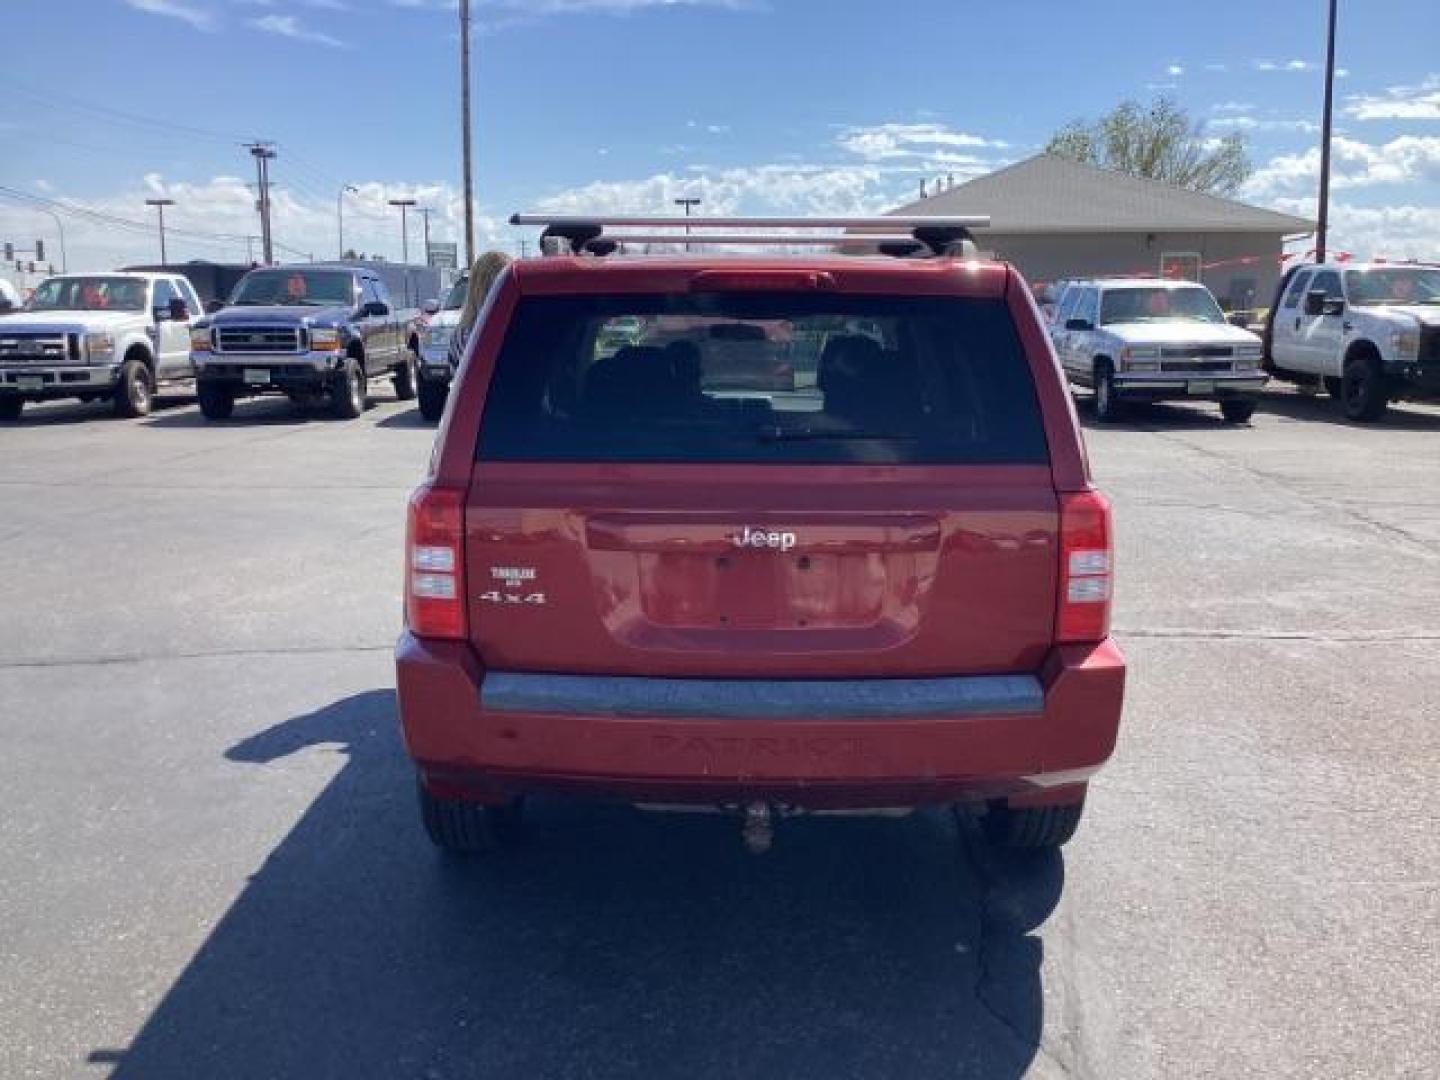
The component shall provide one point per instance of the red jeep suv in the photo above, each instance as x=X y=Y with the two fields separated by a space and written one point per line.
x=630 y=574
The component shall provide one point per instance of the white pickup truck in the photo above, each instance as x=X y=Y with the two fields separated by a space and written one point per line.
x=93 y=336
x=1151 y=339
x=1368 y=332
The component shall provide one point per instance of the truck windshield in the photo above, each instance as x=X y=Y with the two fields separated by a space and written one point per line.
x=302 y=288
x=455 y=298
x=1159 y=304
x=782 y=378
x=1393 y=285
x=89 y=294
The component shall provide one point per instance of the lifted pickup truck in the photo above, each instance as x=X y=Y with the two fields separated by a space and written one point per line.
x=94 y=336
x=311 y=332
x=1368 y=332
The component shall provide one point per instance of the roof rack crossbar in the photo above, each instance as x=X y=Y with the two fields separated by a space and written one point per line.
x=941 y=234
x=883 y=223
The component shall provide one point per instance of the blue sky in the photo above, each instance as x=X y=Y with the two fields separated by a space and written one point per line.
x=782 y=105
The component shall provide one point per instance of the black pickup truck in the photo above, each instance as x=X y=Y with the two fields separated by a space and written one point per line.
x=314 y=332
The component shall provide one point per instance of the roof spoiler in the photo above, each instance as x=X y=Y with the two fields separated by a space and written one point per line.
x=897 y=235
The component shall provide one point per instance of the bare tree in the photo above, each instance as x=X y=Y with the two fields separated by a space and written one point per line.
x=1158 y=142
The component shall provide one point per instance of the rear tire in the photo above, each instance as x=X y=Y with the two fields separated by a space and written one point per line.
x=1028 y=828
x=432 y=399
x=347 y=396
x=11 y=407
x=1107 y=406
x=407 y=376
x=1363 y=391
x=1237 y=412
x=135 y=392
x=216 y=402
x=466 y=828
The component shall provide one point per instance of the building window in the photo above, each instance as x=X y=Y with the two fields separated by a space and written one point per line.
x=1180 y=265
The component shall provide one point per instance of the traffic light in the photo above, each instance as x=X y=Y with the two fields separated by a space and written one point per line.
x=9 y=251
x=39 y=250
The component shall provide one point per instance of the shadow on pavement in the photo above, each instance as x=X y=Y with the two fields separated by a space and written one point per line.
x=72 y=411
x=610 y=942
x=1321 y=408
x=407 y=418
x=1150 y=417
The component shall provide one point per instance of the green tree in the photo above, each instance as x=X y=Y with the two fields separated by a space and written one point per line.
x=1157 y=142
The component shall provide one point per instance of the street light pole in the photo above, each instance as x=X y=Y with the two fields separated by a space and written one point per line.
x=425 y=212
x=404 y=205
x=160 y=205
x=469 y=193
x=1327 y=129
x=687 y=203
x=340 y=216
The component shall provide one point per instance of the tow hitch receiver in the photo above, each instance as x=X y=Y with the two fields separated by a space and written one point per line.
x=757 y=828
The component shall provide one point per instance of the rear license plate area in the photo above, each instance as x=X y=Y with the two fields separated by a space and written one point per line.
x=1200 y=386
x=256 y=376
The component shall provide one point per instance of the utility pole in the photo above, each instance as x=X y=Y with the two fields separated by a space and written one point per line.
x=404 y=205
x=263 y=153
x=425 y=212
x=687 y=203
x=1327 y=129
x=465 y=132
x=340 y=217
x=524 y=248
x=160 y=205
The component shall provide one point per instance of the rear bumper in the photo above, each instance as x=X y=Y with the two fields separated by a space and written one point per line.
x=904 y=742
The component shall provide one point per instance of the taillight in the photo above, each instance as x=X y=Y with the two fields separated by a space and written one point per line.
x=1086 y=558
x=435 y=564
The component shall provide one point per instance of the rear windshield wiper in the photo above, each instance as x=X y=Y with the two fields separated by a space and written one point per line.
x=811 y=434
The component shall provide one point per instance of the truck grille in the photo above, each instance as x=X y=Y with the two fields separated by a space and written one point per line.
x=38 y=348
x=1187 y=352
x=259 y=339
x=1195 y=365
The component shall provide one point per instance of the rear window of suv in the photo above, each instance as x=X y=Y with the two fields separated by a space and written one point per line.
x=782 y=378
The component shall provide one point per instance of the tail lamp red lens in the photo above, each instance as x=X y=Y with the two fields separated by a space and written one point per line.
x=1086 y=563
x=435 y=565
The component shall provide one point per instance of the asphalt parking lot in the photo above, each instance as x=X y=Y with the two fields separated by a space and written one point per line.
x=213 y=867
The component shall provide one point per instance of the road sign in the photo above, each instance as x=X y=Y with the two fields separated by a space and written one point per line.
x=444 y=255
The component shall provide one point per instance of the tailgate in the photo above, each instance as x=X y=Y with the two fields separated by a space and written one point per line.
x=668 y=571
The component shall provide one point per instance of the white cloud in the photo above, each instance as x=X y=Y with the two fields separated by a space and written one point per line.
x=225 y=205
x=881 y=142
x=1389 y=232
x=1420 y=102
x=1233 y=107
x=1175 y=69
x=198 y=17
x=289 y=26
x=1355 y=164
x=1254 y=124
x=44 y=185
x=1285 y=65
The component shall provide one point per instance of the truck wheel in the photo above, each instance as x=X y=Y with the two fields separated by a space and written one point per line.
x=347 y=396
x=10 y=407
x=135 y=391
x=406 y=377
x=466 y=828
x=1362 y=393
x=1334 y=386
x=1237 y=411
x=432 y=399
x=216 y=402
x=1026 y=828
x=1107 y=405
